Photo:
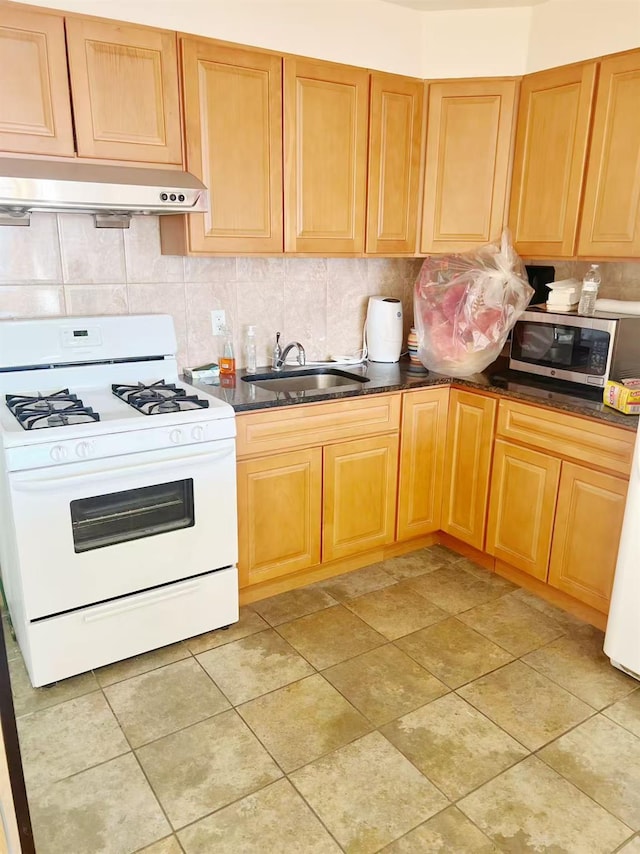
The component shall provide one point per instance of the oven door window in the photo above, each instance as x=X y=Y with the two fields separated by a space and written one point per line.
x=117 y=517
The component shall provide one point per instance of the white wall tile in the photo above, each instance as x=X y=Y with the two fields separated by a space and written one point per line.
x=259 y=269
x=209 y=269
x=305 y=269
x=305 y=317
x=31 y=300
x=96 y=299
x=201 y=299
x=261 y=304
x=30 y=253
x=144 y=262
x=90 y=254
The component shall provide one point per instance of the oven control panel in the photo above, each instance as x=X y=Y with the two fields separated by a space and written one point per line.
x=81 y=451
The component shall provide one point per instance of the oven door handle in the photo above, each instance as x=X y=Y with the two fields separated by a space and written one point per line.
x=47 y=482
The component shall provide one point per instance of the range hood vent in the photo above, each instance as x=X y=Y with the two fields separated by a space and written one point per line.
x=112 y=193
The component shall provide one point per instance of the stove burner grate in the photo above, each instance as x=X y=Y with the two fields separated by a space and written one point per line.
x=158 y=398
x=59 y=409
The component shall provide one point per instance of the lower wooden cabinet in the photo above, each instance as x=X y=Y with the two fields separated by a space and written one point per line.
x=524 y=485
x=279 y=518
x=360 y=480
x=421 y=472
x=587 y=532
x=468 y=465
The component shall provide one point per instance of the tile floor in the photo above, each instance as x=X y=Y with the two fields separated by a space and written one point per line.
x=418 y=705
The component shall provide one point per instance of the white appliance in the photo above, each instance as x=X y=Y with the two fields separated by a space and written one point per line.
x=622 y=640
x=383 y=330
x=117 y=493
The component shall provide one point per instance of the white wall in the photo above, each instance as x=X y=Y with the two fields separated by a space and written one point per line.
x=476 y=42
x=564 y=31
x=368 y=33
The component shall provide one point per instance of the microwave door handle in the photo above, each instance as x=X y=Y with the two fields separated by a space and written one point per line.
x=45 y=482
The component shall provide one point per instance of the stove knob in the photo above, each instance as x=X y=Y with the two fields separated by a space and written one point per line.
x=197 y=434
x=58 y=454
x=83 y=450
x=176 y=436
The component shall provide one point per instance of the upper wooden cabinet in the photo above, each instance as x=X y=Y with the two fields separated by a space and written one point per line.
x=550 y=155
x=395 y=129
x=35 y=109
x=233 y=123
x=325 y=164
x=611 y=210
x=469 y=133
x=468 y=465
x=124 y=84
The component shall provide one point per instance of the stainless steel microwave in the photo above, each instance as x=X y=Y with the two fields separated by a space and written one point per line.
x=587 y=350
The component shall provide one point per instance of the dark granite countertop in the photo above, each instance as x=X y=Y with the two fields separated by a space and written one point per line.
x=247 y=396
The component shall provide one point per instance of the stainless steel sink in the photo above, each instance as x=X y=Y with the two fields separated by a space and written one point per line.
x=309 y=379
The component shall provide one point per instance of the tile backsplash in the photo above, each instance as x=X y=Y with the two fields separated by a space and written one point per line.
x=62 y=265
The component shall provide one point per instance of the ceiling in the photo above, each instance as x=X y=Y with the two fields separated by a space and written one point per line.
x=448 y=5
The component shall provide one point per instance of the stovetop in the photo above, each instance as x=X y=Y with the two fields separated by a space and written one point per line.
x=158 y=398
x=60 y=409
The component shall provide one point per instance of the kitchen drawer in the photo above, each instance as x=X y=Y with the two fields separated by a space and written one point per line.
x=599 y=445
x=303 y=426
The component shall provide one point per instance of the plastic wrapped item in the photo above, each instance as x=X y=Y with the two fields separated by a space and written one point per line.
x=465 y=305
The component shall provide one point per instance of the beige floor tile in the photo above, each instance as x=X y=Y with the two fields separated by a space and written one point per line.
x=512 y=625
x=443 y=553
x=578 y=663
x=454 y=745
x=248 y=624
x=384 y=683
x=206 y=766
x=68 y=738
x=413 y=564
x=563 y=618
x=530 y=808
x=449 y=832
x=453 y=589
x=254 y=665
x=293 y=604
x=108 y=809
x=303 y=721
x=603 y=760
x=526 y=704
x=496 y=582
x=122 y=670
x=367 y=794
x=11 y=644
x=632 y=847
x=395 y=611
x=27 y=699
x=357 y=583
x=163 y=701
x=170 y=845
x=453 y=652
x=275 y=819
x=627 y=713
x=330 y=636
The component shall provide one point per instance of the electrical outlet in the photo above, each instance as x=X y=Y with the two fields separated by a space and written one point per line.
x=218 y=322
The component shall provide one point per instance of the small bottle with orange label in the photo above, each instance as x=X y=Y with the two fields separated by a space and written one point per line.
x=227 y=360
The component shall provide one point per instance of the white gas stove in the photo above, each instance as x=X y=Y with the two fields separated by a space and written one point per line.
x=117 y=493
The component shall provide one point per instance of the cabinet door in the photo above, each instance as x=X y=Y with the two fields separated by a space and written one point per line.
x=422 y=447
x=469 y=132
x=586 y=534
x=325 y=129
x=360 y=480
x=124 y=83
x=611 y=211
x=279 y=514
x=395 y=128
x=524 y=486
x=35 y=107
x=550 y=157
x=467 y=466
x=233 y=121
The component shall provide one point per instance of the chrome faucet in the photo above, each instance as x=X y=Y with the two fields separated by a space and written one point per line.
x=280 y=356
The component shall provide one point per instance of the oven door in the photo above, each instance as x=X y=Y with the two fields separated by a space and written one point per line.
x=92 y=531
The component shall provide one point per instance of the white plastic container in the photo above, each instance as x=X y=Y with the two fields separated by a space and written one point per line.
x=589 y=295
x=384 y=329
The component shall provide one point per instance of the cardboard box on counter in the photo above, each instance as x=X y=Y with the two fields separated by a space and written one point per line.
x=623 y=396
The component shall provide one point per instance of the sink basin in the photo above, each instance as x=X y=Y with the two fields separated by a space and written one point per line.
x=310 y=379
